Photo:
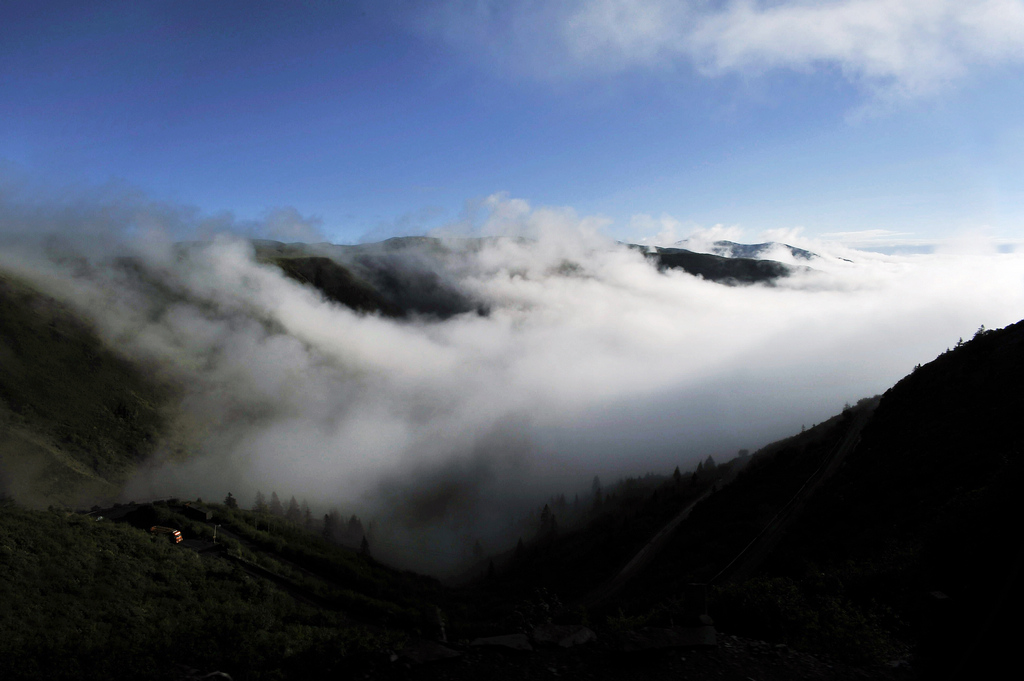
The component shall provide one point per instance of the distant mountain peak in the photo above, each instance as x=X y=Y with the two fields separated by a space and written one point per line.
x=731 y=249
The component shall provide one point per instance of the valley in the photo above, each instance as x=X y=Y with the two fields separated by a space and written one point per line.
x=856 y=548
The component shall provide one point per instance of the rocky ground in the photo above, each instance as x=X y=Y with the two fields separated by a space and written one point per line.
x=733 y=658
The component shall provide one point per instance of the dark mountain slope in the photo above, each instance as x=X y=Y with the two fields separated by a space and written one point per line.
x=927 y=501
x=337 y=283
x=407 y=276
x=75 y=416
x=930 y=501
x=914 y=542
x=725 y=270
x=396 y=278
x=941 y=438
x=722 y=525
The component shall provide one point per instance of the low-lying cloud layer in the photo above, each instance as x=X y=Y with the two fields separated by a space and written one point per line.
x=589 y=362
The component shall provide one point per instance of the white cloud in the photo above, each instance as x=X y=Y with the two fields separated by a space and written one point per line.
x=860 y=237
x=911 y=46
x=703 y=239
x=783 y=235
x=893 y=48
x=98 y=216
x=288 y=225
x=666 y=230
x=590 y=361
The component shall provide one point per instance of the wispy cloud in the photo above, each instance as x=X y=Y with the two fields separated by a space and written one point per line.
x=96 y=216
x=869 y=236
x=891 y=48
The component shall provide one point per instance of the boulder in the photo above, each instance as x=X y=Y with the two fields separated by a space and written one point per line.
x=510 y=641
x=658 y=638
x=564 y=635
x=696 y=637
x=422 y=652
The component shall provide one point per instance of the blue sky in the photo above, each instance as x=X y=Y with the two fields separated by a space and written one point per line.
x=877 y=121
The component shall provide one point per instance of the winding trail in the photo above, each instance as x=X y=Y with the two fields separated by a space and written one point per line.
x=642 y=558
x=746 y=561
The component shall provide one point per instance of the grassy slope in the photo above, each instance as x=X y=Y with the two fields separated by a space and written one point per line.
x=86 y=599
x=364 y=588
x=75 y=416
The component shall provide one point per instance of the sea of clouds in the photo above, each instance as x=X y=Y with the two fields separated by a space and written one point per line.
x=589 y=362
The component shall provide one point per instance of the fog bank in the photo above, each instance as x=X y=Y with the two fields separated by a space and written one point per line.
x=588 y=361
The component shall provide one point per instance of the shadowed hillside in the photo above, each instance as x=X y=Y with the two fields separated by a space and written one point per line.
x=926 y=516
x=336 y=283
x=406 y=276
x=908 y=548
x=913 y=543
x=399 y=277
x=725 y=270
x=76 y=417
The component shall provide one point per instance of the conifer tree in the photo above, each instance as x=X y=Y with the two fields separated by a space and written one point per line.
x=260 y=505
x=548 y=524
x=275 y=504
x=230 y=501
x=354 y=530
x=307 y=515
x=330 y=529
x=294 y=513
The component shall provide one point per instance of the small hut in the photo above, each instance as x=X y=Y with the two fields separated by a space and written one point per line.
x=197 y=511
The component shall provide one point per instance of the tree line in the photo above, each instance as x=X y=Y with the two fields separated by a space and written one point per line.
x=333 y=527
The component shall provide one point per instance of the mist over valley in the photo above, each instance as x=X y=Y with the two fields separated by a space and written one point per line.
x=586 y=339
x=444 y=386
